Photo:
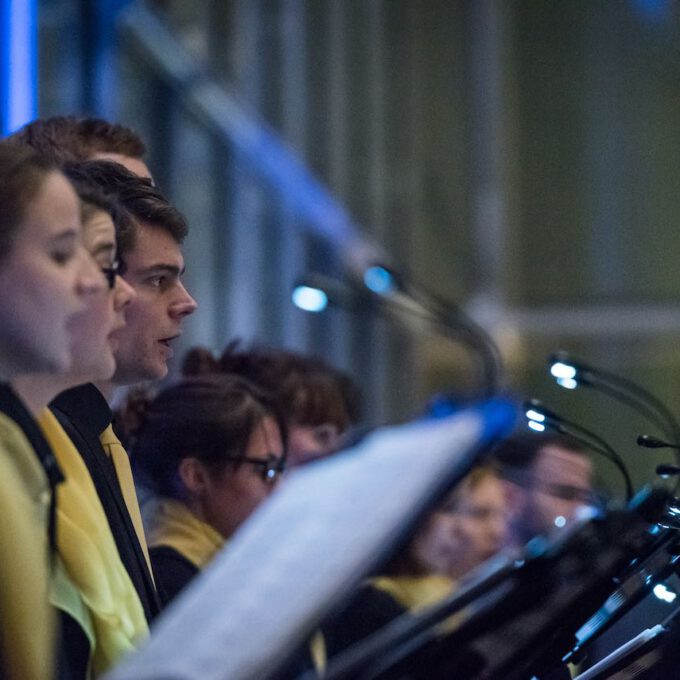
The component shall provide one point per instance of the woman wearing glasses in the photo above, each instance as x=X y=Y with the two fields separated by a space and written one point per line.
x=101 y=617
x=212 y=449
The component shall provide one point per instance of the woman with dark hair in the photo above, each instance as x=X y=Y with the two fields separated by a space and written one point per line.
x=212 y=448
x=319 y=402
x=45 y=277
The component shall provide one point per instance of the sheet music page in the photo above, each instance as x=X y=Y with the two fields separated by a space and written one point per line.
x=303 y=551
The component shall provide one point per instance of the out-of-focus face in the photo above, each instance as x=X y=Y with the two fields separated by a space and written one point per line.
x=480 y=524
x=233 y=495
x=134 y=165
x=560 y=483
x=154 y=317
x=42 y=281
x=309 y=442
x=93 y=344
x=459 y=539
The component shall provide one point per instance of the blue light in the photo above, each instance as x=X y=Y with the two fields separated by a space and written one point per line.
x=538 y=427
x=655 y=11
x=379 y=280
x=568 y=383
x=560 y=521
x=562 y=371
x=18 y=63
x=309 y=299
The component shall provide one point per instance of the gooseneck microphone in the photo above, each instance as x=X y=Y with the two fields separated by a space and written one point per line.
x=664 y=470
x=571 y=373
x=540 y=415
x=382 y=290
x=650 y=442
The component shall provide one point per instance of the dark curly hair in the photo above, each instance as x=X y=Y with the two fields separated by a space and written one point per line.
x=309 y=391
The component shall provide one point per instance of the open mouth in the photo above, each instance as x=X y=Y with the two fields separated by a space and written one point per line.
x=166 y=341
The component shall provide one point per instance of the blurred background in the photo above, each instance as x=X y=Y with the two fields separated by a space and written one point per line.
x=518 y=158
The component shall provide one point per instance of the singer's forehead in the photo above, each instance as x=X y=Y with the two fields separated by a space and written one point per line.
x=559 y=464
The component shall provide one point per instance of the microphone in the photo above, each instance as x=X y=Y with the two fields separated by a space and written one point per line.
x=315 y=292
x=389 y=293
x=650 y=442
x=665 y=470
x=540 y=417
x=571 y=373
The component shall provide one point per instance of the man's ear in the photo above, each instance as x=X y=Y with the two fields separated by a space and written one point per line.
x=193 y=475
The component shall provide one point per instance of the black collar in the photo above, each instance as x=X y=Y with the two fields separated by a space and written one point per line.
x=86 y=406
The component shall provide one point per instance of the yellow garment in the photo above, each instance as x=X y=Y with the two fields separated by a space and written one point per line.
x=415 y=592
x=27 y=624
x=88 y=550
x=170 y=523
x=121 y=462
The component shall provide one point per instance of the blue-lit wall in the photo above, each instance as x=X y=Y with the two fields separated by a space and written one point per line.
x=18 y=63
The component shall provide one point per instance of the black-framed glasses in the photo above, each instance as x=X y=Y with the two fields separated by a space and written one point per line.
x=270 y=468
x=111 y=272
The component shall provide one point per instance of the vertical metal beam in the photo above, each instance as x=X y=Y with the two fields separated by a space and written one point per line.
x=337 y=325
x=292 y=256
x=18 y=63
x=490 y=153
x=246 y=300
x=99 y=62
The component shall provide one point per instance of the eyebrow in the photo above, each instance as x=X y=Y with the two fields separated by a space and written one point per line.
x=171 y=269
x=65 y=236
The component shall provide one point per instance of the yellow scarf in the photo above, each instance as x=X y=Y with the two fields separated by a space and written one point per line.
x=89 y=552
x=27 y=625
x=170 y=523
x=415 y=592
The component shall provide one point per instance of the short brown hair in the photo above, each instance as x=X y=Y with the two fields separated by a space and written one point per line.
x=94 y=196
x=140 y=198
x=68 y=138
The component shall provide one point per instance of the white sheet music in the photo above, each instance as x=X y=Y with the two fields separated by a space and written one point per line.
x=301 y=553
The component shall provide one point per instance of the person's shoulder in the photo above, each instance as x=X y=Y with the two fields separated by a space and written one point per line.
x=172 y=571
x=17 y=453
x=83 y=408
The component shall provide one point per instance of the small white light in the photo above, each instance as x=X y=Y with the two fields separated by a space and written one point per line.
x=537 y=416
x=568 y=383
x=561 y=370
x=538 y=427
x=310 y=299
x=664 y=593
x=560 y=521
